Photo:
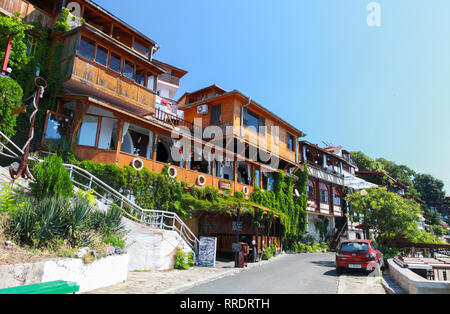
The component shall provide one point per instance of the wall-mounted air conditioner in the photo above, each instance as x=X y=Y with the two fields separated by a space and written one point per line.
x=202 y=109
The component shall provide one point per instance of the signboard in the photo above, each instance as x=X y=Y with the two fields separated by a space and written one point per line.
x=237 y=226
x=224 y=185
x=207 y=252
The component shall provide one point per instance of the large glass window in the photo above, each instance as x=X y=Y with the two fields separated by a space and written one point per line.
x=88 y=131
x=128 y=70
x=290 y=141
x=141 y=48
x=216 y=115
x=31 y=45
x=57 y=126
x=102 y=56
x=114 y=62
x=108 y=134
x=336 y=197
x=87 y=48
x=324 y=192
x=253 y=120
x=268 y=181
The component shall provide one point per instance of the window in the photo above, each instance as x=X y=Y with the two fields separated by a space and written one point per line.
x=128 y=70
x=114 y=62
x=108 y=134
x=151 y=82
x=253 y=120
x=216 y=115
x=290 y=142
x=310 y=191
x=102 y=56
x=140 y=77
x=141 y=48
x=31 y=46
x=268 y=181
x=354 y=247
x=336 y=197
x=87 y=135
x=324 y=192
x=87 y=49
x=57 y=126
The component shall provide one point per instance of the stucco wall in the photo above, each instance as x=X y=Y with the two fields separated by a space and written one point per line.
x=152 y=249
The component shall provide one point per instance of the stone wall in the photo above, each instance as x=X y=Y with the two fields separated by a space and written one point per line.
x=415 y=284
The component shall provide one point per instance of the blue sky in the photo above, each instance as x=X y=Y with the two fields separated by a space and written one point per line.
x=317 y=64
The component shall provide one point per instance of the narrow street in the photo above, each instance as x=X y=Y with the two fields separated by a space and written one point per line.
x=293 y=274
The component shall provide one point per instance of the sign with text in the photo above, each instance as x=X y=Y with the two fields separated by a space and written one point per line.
x=224 y=185
x=207 y=252
x=237 y=226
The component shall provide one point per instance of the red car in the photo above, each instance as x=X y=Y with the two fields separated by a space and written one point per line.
x=359 y=254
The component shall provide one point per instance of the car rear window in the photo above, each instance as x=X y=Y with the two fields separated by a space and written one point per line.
x=354 y=247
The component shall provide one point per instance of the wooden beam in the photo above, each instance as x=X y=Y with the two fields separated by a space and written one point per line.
x=80 y=112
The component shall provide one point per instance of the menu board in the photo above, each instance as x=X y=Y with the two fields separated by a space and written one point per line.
x=207 y=252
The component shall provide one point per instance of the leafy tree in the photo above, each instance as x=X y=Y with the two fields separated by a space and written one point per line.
x=365 y=163
x=387 y=213
x=10 y=97
x=431 y=189
x=401 y=173
x=12 y=25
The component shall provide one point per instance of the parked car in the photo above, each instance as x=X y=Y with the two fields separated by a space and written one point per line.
x=359 y=254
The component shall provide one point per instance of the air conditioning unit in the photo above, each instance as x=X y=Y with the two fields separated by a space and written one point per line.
x=202 y=109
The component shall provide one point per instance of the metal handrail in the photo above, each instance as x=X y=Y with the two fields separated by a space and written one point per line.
x=157 y=219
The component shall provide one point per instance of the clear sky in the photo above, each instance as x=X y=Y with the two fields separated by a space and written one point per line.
x=317 y=64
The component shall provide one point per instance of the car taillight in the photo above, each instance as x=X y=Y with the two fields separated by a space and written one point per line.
x=371 y=256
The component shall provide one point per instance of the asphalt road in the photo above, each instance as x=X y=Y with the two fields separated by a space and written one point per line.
x=293 y=274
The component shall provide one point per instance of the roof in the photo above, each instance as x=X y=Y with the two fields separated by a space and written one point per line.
x=236 y=92
x=180 y=71
x=112 y=16
x=323 y=150
x=199 y=90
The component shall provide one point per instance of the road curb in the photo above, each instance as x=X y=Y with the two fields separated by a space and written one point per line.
x=386 y=287
x=226 y=274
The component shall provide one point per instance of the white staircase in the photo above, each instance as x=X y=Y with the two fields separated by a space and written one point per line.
x=150 y=218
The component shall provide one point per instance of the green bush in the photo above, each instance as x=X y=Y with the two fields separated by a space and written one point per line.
x=181 y=260
x=114 y=241
x=191 y=260
x=10 y=97
x=51 y=179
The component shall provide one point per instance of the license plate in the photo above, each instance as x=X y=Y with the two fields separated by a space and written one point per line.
x=355 y=266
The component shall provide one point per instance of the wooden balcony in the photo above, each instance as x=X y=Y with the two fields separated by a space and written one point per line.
x=93 y=79
x=29 y=12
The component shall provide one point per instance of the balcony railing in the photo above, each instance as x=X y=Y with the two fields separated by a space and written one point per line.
x=172 y=120
x=109 y=82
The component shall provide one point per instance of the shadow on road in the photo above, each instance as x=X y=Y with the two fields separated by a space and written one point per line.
x=327 y=264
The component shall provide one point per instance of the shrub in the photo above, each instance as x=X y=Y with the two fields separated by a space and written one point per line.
x=181 y=260
x=51 y=179
x=191 y=261
x=10 y=97
x=114 y=241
